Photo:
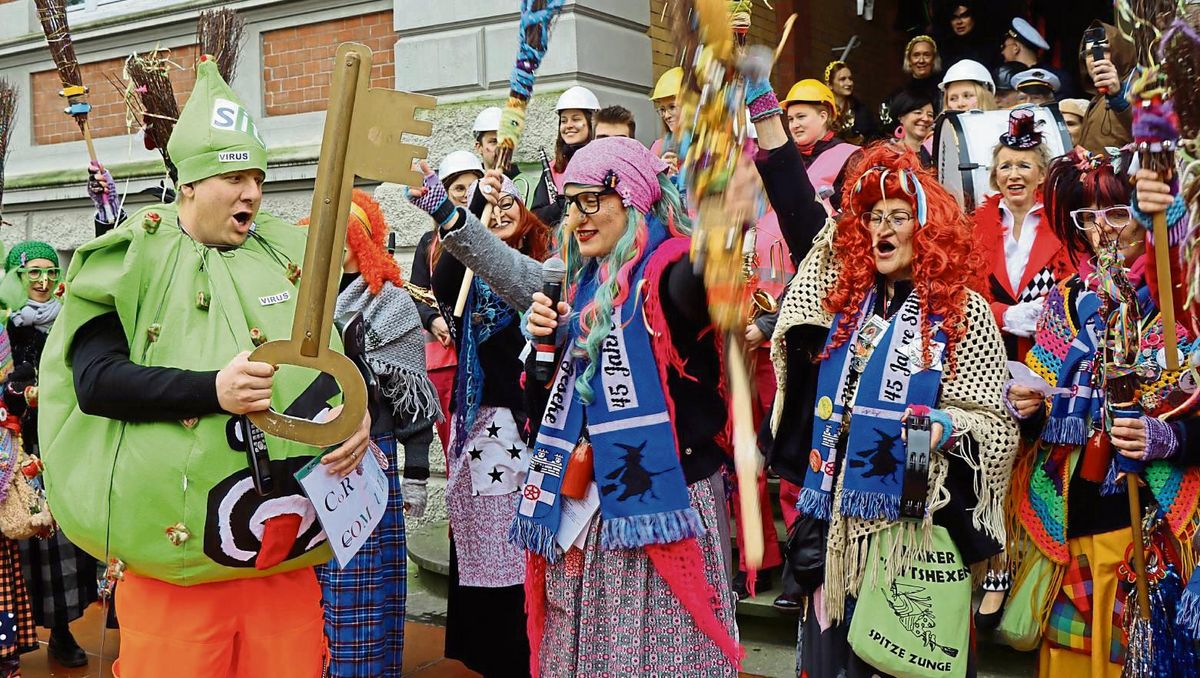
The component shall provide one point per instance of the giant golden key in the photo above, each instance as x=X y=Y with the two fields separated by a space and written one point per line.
x=363 y=137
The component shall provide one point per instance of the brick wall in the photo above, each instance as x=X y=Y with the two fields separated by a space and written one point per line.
x=763 y=30
x=108 y=116
x=297 y=61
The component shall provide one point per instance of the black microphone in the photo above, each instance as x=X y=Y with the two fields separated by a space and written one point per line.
x=553 y=270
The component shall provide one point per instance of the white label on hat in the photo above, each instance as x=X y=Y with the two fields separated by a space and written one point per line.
x=233 y=156
x=275 y=298
x=229 y=115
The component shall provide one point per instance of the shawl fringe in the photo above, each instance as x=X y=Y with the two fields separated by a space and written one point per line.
x=814 y=504
x=411 y=392
x=1188 y=615
x=1065 y=431
x=631 y=532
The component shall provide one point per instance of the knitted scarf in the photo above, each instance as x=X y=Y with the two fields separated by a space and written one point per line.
x=486 y=315
x=41 y=314
x=892 y=379
x=643 y=494
x=395 y=347
x=1072 y=415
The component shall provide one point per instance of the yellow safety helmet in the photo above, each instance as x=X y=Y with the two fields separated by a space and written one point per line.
x=811 y=91
x=668 y=84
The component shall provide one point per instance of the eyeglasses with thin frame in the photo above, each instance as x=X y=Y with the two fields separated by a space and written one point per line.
x=38 y=274
x=897 y=219
x=1088 y=219
x=588 y=202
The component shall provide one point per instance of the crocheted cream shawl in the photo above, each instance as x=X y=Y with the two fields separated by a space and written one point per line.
x=972 y=398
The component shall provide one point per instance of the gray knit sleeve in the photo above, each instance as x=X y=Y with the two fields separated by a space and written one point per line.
x=513 y=276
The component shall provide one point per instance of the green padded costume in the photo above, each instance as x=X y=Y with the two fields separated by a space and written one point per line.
x=175 y=500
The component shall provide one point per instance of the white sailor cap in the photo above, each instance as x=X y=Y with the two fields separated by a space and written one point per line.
x=1025 y=32
x=1036 y=76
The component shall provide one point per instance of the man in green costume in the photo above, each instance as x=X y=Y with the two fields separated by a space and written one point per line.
x=145 y=381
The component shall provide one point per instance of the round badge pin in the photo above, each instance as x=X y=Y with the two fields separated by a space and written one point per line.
x=814 y=461
x=825 y=407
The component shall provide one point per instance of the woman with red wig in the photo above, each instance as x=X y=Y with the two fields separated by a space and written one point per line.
x=364 y=601
x=890 y=370
x=1109 y=406
x=489 y=452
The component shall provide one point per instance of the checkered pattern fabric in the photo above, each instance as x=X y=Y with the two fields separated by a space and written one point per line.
x=1117 y=641
x=1039 y=286
x=1070 y=626
x=17 y=631
x=364 y=602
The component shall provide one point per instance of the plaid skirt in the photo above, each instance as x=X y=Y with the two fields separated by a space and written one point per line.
x=609 y=613
x=17 y=631
x=61 y=579
x=364 y=602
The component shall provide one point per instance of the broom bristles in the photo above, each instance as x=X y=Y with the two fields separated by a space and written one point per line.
x=159 y=111
x=8 y=110
x=53 y=15
x=219 y=35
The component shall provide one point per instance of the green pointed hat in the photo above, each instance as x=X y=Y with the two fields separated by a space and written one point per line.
x=215 y=133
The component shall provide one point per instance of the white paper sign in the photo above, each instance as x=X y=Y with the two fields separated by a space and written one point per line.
x=577 y=518
x=349 y=508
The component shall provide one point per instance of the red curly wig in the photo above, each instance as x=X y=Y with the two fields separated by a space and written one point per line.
x=365 y=239
x=944 y=264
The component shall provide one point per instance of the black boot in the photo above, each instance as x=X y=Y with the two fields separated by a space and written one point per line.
x=64 y=649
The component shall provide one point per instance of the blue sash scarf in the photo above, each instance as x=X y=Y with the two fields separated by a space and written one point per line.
x=892 y=378
x=487 y=314
x=643 y=494
x=1073 y=415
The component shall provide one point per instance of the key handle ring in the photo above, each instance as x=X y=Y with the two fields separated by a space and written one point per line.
x=336 y=365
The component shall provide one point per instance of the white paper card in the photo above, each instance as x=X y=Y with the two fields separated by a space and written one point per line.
x=577 y=518
x=1023 y=376
x=349 y=508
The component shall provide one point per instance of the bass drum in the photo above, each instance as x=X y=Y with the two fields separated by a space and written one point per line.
x=964 y=142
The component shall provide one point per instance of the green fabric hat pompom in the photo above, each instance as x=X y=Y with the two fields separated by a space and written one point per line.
x=215 y=133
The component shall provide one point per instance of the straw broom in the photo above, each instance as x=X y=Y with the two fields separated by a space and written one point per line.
x=8 y=110
x=219 y=35
x=53 y=16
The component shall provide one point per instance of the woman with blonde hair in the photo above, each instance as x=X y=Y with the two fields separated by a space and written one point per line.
x=968 y=86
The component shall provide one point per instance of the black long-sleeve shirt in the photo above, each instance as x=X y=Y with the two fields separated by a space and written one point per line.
x=421 y=278
x=109 y=384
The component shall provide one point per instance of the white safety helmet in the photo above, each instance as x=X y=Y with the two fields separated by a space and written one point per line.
x=971 y=71
x=488 y=120
x=459 y=161
x=577 y=97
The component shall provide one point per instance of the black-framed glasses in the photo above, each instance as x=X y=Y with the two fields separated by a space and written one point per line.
x=588 y=202
x=38 y=274
x=506 y=202
x=897 y=219
x=1088 y=219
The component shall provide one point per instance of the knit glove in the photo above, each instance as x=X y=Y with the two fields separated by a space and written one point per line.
x=103 y=191
x=936 y=417
x=1161 y=441
x=416 y=496
x=761 y=99
x=1178 y=223
x=25 y=317
x=1021 y=319
x=435 y=201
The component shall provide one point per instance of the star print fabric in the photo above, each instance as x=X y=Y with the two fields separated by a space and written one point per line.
x=479 y=527
x=498 y=458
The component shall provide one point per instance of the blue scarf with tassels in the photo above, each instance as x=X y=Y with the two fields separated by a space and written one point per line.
x=1072 y=416
x=893 y=377
x=643 y=494
x=487 y=314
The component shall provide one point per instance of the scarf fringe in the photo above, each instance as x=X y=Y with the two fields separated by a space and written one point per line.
x=990 y=512
x=1187 y=617
x=1110 y=486
x=410 y=392
x=631 y=532
x=533 y=537
x=814 y=504
x=846 y=574
x=869 y=505
x=1065 y=431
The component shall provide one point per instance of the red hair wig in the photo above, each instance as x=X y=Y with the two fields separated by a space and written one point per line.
x=944 y=263
x=365 y=235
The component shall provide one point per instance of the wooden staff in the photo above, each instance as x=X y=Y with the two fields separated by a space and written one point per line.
x=536 y=17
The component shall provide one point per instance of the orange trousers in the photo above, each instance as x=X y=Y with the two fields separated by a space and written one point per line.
x=267 y=626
